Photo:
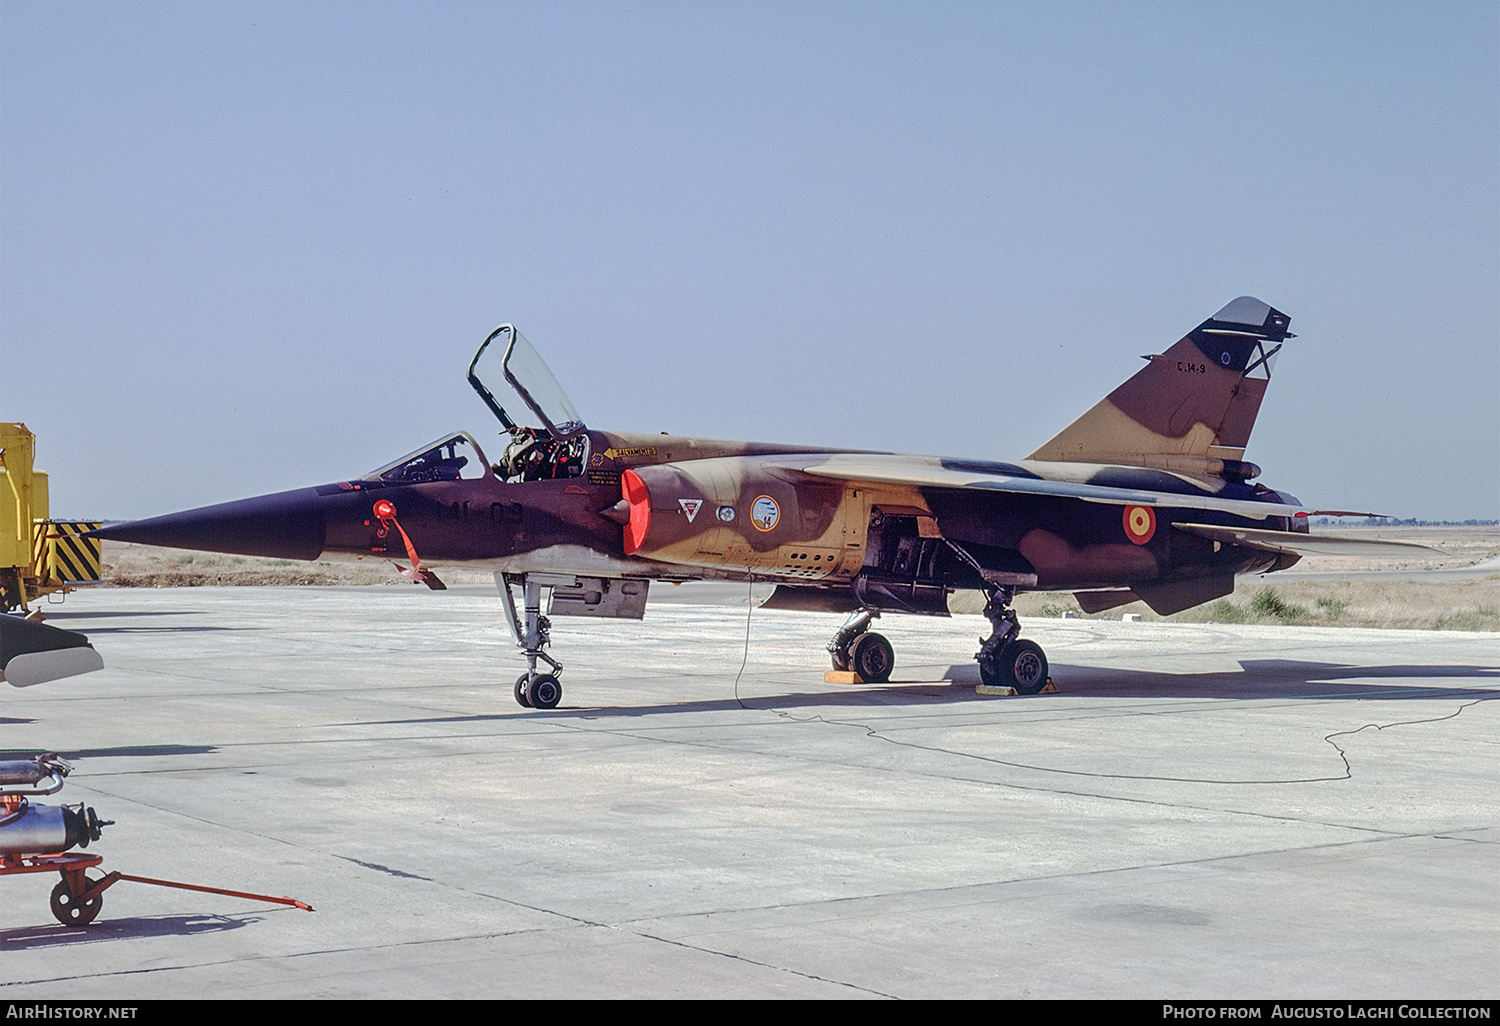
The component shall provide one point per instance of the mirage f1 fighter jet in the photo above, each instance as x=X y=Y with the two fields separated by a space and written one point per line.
x=1146 y=496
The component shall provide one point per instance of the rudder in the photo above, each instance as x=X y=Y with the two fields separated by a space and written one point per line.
x=1190 y=408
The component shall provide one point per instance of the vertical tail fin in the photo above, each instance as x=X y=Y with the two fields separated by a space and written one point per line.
x=1190 y=408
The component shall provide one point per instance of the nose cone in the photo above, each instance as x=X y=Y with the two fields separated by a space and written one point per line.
x=286 y=525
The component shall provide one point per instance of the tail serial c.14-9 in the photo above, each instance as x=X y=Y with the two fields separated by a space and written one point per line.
x=1146 y=496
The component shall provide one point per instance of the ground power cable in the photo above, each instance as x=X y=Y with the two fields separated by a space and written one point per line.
x=1348 y=773
x=745 y=655
x=875 y=733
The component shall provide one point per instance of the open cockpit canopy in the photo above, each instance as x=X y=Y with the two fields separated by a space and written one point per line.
x=507 y=356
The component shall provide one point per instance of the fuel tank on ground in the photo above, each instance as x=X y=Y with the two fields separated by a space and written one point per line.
x=48 y=828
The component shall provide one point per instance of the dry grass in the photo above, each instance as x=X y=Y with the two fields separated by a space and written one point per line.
x=146 y=566
x=126 y=565
x=1354 y=601
x=1458 y=547
x=1449 y=605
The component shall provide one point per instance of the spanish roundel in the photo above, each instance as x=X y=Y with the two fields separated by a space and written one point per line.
x=1140 y=524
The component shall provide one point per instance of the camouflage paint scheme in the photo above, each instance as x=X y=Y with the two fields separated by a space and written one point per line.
x=1167 y=432
x=1146 y=495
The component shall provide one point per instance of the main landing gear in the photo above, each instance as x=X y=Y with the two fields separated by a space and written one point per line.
x=856 y=648
x=533 y=690
x=1004 y=658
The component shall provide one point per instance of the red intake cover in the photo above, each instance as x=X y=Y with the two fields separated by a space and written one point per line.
x=640 y=511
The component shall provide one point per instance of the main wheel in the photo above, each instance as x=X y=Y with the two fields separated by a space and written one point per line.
x=872 y=657
x=70 y=911
x=1023 y=666
x=544 y=692
x=521 y=683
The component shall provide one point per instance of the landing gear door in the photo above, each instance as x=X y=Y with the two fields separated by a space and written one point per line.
x=507 y=356
x=619 y=598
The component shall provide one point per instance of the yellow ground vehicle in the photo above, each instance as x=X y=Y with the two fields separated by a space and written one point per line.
x=38 y=556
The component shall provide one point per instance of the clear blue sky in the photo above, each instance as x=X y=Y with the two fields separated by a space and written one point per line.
x=247 y=247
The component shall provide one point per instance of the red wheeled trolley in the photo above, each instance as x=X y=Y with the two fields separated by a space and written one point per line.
x=27 y=830
x=72 y=903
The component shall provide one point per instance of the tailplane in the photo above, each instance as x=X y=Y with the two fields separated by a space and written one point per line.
x=1190 y=408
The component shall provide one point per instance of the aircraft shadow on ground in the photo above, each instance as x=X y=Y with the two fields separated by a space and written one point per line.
x=1277 y=678
x=91 y=631
x=112 y=614
x=54 y=934
x=127 y=751
x=1257 y=679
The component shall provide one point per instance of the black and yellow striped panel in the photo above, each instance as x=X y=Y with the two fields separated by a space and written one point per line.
x=65 y=556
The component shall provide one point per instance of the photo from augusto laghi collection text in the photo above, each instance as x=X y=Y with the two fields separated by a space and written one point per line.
x=1331 y=1010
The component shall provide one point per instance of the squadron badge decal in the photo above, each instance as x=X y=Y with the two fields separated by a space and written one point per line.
x=765 y=514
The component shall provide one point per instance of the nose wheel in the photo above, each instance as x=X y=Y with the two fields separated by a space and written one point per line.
x=542 y=691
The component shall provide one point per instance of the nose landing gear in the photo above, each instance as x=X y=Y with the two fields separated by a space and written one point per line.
x=533 y=690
